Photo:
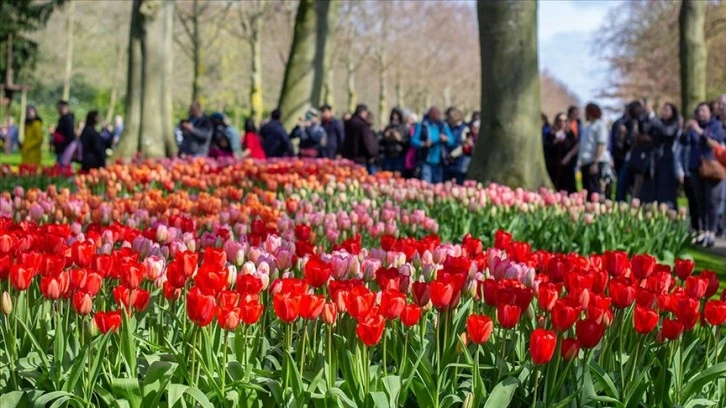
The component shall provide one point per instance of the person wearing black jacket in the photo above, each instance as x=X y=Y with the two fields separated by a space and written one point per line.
x=93 y=147
x=361 y=144
x=333 y=131
x=275 y=140
x=196 y=133
x=64 y=131
x=396 y=142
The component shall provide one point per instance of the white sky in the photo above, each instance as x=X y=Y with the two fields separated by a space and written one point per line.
x=566 y=32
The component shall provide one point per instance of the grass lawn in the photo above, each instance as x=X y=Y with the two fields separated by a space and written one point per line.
x=13 y=159
x=708 y=260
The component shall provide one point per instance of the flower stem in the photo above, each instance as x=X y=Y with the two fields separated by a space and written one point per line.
x=224 y=362
x=385 y=358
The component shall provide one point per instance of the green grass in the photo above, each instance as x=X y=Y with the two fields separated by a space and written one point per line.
x=13 y=159
x=708 y=260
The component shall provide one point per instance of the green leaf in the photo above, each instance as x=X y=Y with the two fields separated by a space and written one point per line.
x=33 y=340
x=128 y=343
x=128 y=389
x=177 y=392
x=14 y=399
x=696 y=383
x=604 y=380
x=157 y=378
x=700 y=403
x=343 y=399
x=76 y=371
x=392 y=385
x=56 y=396
x=378 y=399
x=501 y=395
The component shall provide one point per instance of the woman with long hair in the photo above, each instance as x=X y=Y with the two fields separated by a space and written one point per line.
x=561 y=146
x=666 y=131
x=93 y=147
x=251 y=144
x=33 y=137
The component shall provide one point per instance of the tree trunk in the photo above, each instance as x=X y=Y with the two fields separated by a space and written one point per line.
x=148 y=99
x=70 y=27
x=399 y=93
x=352 y=94
x=509 y=150
x=328 y=87
x=305 y=69
x=692 y=54
x=114 y=85
x=382 y=88
x=196 y=54
x=256 y=101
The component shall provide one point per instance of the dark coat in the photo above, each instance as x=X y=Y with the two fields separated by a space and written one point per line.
x=93 y=149
x=66 y=128
x=196 y=142
x=361 y=144
x=275 y=140
x=335 y=134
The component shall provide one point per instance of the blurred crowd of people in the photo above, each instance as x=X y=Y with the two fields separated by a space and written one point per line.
x=647 y=154
x=435 y=149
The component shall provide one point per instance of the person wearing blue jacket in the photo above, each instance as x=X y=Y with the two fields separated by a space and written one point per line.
x=699 y=132
x=432 y=139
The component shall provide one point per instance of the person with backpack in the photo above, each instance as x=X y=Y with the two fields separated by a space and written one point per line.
x=196 y=133
x=432 y=139
x=92 y=146
x=64 y=133
x=275 y=140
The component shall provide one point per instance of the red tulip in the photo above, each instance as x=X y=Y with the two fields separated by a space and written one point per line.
x=599 y=310
x=227 y=299
x=229 y=319
x=287 y=306
x=570 y=348
x=715 y=312
x=479 y=328
x=249 y=284
x=622 y=293
x=616 y=263
x=330 y=314
x=644 y=319
x=645 y=297
x=302 y=232
x=211 y=279
x=388 y=278
x=250 y=312
x=53 y=287
x=311 y=306
x=642 y=266
x=171 y=293
x=542 y=345
x=387 y=242
x=502 y=239
x=83 y=253
x=672 y=329
x=488 y=290
x=317 y=272
x=359 y=302
x=696 y=287
x=21 y=276
x=713 y=283
x=82 y=303
x=370 y=329
x=108 y=321
x=187 y=261
x=411 y=315
x=441 y=294
x=723 y=296
x=589 y=333
x=508 y=315
x=392 y=303
x=684 y=268
x=547 y=295
x=132 y=274
x=564 y=314
x=421 y=293
x=201 y=308
x=687 y=311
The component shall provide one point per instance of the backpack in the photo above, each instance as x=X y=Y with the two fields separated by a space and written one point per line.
x=422 y=153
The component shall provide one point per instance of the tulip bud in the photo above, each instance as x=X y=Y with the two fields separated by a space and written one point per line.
x=468 y=401
x=330 y=314
x=231 y=275
x=93 y=328
x=462 y=343
x=7 y=304
x=541 y=322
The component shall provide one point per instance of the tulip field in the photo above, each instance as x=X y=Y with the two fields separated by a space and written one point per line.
x=185 y=283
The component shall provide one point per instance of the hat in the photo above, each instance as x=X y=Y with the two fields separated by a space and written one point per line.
x=217 y=117
x=311 y=113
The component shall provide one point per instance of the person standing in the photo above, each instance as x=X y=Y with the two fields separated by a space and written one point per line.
x=33 y=137
x=311 y=135
x=562 y=147
x=118 y=130
x=431 y=138
x=333 y=131
x=361 y=144
x=573 y=118
x=196 y=133
x=13 y=135
x=666 y=132
x=93 y=147
x=64 y=133
x=700 y=133
x=460 y=131
x=251 y=145
x=221 y=145
x=395 y=142
x=275 y=140
x=593 y=155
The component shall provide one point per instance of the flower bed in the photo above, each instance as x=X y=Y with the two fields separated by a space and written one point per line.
x=108 y=314
x=339 y=200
